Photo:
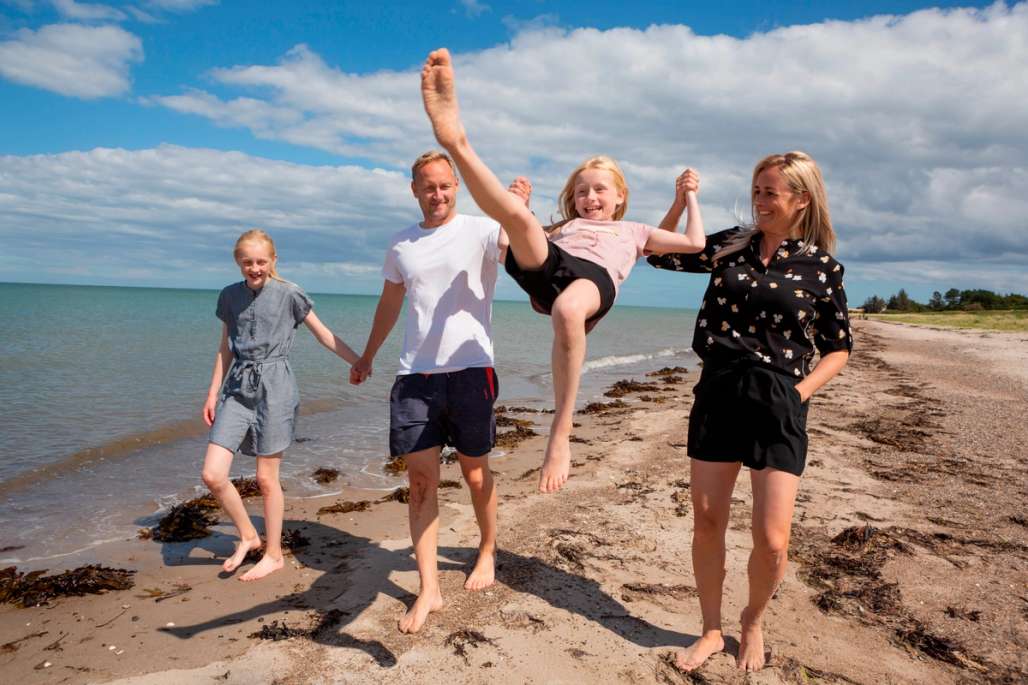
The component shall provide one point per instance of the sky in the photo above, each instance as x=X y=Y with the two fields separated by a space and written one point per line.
x=138 y=139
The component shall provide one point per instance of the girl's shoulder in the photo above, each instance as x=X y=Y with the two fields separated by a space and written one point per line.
x=232 y=289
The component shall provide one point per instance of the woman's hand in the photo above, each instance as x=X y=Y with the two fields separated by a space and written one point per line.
x=687 y=182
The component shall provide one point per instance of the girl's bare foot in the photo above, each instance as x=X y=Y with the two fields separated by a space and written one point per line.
x=439 y=94
x=556 y=464
x=425 y=604
x=484 y=573
x=266 y=565
x=751 y=644
x=243 y=547
x=692 y=657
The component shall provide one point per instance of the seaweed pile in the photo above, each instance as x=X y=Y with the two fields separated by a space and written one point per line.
x=345 y=507
x=622 y=388
x=32 y=588
x=192 y=519
x=324 y=476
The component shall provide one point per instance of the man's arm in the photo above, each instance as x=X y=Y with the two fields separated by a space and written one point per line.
x=390 y=302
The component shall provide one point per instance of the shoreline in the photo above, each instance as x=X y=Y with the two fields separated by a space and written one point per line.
x=595 y=583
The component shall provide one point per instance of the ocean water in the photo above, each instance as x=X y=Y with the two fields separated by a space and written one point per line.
x=102 y=389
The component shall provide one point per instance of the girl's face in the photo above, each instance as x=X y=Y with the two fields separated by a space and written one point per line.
x=776 y=208
x=255 y=262
x=596 y=195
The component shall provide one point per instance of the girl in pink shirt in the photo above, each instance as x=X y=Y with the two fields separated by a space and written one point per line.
x=572 y=272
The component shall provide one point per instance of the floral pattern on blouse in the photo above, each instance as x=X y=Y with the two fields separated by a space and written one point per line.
x=778 y=314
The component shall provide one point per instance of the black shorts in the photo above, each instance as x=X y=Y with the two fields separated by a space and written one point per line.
x=437 y=409
x=748 y=412
x=558 y=272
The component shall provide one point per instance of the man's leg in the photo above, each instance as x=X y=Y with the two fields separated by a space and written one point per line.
x=423 y=511
x=479 y=478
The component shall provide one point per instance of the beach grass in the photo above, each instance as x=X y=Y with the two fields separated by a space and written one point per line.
x=1014 y=320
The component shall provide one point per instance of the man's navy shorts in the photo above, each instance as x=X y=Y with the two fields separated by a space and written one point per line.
x=449 y=408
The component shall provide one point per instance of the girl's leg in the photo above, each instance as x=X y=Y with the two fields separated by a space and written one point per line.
x=711 y=484
x=578 y=302
x=479 y=478
x=423 y=510
x=216 y=465
x=774 y=495
x=274 y=512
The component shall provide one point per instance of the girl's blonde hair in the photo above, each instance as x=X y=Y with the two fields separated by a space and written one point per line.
x=256 y=235
x=566 y=201
x=814 y=222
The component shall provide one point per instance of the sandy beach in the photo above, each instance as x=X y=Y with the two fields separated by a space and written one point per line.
x=910 y=551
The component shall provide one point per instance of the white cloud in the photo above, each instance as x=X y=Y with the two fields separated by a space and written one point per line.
x=180 y=5
x=87 y=11
x=80 y=61
x=474 y=8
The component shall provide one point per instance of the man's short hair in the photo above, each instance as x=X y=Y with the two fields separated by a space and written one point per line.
x=428 y=158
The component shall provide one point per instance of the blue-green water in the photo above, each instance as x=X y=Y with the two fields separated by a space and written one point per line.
x=102 y=389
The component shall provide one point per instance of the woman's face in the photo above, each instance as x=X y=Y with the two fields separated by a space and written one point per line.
x=776 y=208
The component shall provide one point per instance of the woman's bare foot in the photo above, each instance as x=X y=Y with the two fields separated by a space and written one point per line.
x=556 y=464
x=751 y=644
x=484 y=573
x=266 y=565
x=425 y=604
x=693 y=656
x=439 y=94
x=243 y=547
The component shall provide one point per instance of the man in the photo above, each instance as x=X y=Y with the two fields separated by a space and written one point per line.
x=446 y=386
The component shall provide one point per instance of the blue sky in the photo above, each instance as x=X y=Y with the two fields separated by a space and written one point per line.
x=138 y=139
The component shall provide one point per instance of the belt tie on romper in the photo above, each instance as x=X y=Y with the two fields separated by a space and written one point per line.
x=248 y=372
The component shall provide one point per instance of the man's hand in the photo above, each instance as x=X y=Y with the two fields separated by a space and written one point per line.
x=687 y=182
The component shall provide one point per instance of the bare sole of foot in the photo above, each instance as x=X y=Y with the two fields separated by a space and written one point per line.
x=439 y=95
x=265 y=566
x=416 y=616
x=483 y=574
x=751 y=645
x=694 y=656
x=243 y=548
x=556 y=465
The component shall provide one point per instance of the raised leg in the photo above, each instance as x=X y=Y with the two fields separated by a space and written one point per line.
x=774 y=497
x=711 y=484
x=423 y=511
x=274 y=512
x=578 y=302
x=216 y=465
x=479 y=478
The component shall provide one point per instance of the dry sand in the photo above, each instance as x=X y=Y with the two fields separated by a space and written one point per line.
x=922 y=437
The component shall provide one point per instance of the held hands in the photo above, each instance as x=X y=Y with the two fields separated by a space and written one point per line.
x=522 y=188
x=360 y=371
x=686 y=187
x=209 y=409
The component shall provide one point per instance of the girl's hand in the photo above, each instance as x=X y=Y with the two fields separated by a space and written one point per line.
x=522 y=188
x=209 y=409
x=360 y=371
x=687 y=182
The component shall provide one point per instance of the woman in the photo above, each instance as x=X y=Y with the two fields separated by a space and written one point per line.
x=775 y=294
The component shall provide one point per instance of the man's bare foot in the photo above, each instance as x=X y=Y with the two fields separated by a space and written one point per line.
x=556 y=464
x=751 y=644
x=266 y=565
x=439 y=94
x=425 y=604
x=693 y=656
x=243 y=547
x=484 y=573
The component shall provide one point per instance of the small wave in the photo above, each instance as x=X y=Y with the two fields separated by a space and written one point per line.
x=623 y=360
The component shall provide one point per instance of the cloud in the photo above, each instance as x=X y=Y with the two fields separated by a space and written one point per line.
x=69 y=59
x=180 y=5
x=474 y=8
x=87 y=11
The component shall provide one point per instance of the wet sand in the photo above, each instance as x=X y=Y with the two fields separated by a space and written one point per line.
x=910 y=550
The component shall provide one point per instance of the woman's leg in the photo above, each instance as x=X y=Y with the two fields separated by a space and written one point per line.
x=711 y=484
x=216 y=466
x=274 y=512
x=774 y=496
x=479 y=478
x=578 y=302
x=423 y=511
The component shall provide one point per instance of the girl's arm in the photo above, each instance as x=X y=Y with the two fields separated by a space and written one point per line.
x=390 y=304
x=330 y=340
x=827 y=368
x=221 y=363
x=686 y=199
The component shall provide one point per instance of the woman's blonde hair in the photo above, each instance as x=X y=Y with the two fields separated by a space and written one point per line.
x=256 y=235
x=566 y=201
x=814 y=222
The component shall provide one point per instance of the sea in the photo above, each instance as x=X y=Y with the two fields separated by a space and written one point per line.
x=101 y=390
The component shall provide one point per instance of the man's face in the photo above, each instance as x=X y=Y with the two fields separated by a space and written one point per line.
x=435 y=188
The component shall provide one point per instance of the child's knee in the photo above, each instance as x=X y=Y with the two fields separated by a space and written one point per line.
x=268 y=483
x=215 y=480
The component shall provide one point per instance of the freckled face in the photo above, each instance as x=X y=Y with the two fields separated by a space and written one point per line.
x=776 y=207
x=255 y=262
x=596 y=195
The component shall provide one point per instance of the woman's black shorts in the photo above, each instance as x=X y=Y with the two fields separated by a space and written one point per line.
x=558 y=272
x=748 y=412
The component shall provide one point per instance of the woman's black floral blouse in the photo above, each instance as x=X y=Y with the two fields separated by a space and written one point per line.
x=776 y=314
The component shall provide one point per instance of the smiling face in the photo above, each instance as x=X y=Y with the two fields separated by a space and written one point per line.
x=776 y=206
x=435 y=187
x=256 y=262
x=597 y=196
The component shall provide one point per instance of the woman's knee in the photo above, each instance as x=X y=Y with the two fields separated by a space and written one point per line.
x=709 y=523
x=772 y=544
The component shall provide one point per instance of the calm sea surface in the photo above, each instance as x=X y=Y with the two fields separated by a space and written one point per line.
x=102 y=389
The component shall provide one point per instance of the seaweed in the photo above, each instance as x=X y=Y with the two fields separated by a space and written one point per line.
x=631 y=592
x=158 y=595
x=449 y=484
x=654 y=400
x=395 y=466
x=278 y=631
x=324 y=475
x=668 y=371
x=12 y=646
x=623 y=387
x=461 y=639
x=600 y=407
x=501 y=409
x=513 y=438
x=974 y=615
x=528 y=473
x=506 y=422
x=581 y=441
x=345 y=507
x=401 y=495
x=186 y=521
x=294 y=539
x=33 y=588
x=667 y=671
x=672 y=380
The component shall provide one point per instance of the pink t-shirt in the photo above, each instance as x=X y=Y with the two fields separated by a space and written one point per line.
x=614 y=245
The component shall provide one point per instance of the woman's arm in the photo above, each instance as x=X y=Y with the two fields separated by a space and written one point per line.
x=827 y=368
x=221 y=363
x=330 y=340
x=390 y=303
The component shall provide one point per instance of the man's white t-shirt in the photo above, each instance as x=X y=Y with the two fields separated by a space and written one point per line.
x=450 y=276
